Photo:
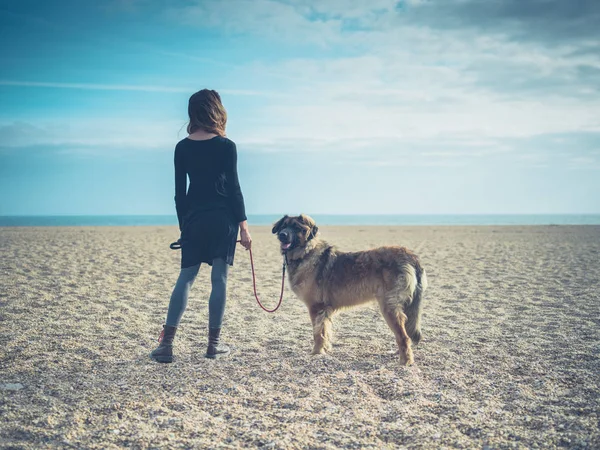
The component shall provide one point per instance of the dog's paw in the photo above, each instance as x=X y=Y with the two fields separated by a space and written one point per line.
x=317 y=352
x=406 y=360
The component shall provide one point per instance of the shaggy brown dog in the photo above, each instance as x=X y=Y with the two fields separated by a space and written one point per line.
x=327 y=280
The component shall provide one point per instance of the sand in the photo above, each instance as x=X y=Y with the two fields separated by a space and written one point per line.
x=510 y=356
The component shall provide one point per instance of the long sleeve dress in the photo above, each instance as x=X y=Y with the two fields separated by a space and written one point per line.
x=209 y=212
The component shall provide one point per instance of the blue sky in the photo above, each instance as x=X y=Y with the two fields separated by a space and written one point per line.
x=337 y=107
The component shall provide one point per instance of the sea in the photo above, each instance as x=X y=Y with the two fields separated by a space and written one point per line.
x=321 y=219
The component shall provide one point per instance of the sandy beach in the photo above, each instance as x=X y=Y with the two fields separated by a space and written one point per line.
x=510 y=356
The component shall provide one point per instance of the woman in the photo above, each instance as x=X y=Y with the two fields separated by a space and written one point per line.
x=209 y=213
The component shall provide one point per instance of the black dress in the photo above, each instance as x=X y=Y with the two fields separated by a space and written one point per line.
x=210 y=211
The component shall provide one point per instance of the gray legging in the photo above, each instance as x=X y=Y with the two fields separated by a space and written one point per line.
x=216 y=302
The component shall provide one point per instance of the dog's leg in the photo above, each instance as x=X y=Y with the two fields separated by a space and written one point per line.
x=396 y=320
x=322 y=328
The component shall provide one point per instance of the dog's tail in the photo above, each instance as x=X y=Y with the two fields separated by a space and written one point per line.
x=413 y=309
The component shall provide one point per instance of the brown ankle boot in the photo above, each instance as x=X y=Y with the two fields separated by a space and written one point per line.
x=216 y=350
x=164 y=352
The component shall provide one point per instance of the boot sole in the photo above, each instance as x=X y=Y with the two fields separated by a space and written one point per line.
x=162 y=359
x=217 y=356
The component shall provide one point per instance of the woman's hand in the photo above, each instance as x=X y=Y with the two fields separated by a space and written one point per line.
x=245 y=238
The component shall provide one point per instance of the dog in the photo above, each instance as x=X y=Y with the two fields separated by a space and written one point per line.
x=328 y=280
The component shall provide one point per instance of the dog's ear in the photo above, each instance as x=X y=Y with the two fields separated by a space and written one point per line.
x=306 y=220
x=310 y=224
x=278 y=225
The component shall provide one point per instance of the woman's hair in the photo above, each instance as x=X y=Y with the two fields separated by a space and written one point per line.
x=207 y=113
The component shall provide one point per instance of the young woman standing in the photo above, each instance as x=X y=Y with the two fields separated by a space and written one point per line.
x=210 y=214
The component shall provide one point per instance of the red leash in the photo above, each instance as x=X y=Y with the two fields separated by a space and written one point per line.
x=254 y=284
x=177 y=246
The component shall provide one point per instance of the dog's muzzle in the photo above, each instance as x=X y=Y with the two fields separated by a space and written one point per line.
x=285 y=238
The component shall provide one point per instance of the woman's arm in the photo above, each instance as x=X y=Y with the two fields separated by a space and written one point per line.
x=236 y=198
x=180 y=186
x=234 y=191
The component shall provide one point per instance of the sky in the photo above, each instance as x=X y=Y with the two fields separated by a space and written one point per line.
x=336 y=106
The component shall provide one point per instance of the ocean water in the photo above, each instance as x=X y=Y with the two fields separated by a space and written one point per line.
x=321 y=219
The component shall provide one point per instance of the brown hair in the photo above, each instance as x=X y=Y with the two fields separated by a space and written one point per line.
x=207 y=113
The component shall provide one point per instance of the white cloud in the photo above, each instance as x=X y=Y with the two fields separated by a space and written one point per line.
x=404 y=81
x=584 y=162
x=84 y=133
x=375 y=80
x=266 y=18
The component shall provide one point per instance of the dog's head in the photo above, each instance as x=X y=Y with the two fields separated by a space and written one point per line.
x=294 y=232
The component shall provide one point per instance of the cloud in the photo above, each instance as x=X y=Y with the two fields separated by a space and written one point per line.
x=459 y=66
x=447 y=78
x=121 y=87
x=550 y=22
x=85 y=134
x=584 y=163
x=267 y=18
x=568 y=151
